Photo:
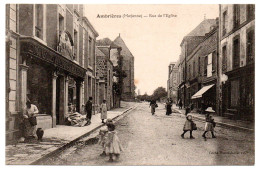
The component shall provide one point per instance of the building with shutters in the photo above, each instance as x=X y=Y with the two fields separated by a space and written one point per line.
x=50 y=61
x=237 y=61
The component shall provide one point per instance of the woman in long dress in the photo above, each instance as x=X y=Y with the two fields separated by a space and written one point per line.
x=168 y=107
x=30 y=111
x=103 y=111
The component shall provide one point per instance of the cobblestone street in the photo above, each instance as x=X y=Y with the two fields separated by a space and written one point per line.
x=156 y=140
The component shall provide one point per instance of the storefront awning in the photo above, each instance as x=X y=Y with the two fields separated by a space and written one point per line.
x=201 y=91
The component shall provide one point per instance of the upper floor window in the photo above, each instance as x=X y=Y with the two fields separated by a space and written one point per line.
x=250 y=46
x=194 y=69
x=39 y=21
x=214 y=62
x=236 y=52
x=205 y=65
x=61 y=24
x=90 y=51
x=209 y=66
x=199 y=66
x=224 y=23
x=250 y=11
x=224 y=58
x=236 y=15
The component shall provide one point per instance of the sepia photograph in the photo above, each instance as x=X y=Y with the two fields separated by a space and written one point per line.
x=129 y=84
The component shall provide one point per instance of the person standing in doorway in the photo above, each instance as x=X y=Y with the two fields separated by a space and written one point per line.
x=103 y=111
x=180 y=104
x=88 y=108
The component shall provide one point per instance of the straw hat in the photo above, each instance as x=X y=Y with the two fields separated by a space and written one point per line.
x=209 y=109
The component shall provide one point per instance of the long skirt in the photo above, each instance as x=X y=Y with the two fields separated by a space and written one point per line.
x=152 y=109
x=209 y=127
x=168 y=109
x=29 y=129
x=103 y=114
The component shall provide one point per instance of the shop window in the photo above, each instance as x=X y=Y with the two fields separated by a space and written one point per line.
x=39 y=87
x=250 y=48
x=236 y=52
x=224 y=58
x=224 y=24
x=236 y=15
x=39 y=21
x=250 y=12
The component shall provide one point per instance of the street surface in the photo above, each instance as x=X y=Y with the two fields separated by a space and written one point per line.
x=156 y=140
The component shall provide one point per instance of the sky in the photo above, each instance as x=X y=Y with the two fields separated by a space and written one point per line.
x=154 y=41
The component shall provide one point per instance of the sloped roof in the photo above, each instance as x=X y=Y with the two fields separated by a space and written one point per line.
x=104 y=42
x=203 y=28
x=125 y=51
x=104 y=50
x=99 y=53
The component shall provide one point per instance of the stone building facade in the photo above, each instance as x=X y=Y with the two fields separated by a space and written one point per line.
x=237 y=60
x=51 y=62
x=105 y=74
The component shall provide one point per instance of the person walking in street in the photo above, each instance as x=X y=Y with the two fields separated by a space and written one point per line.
x=103 y=111
x=153 y=105
x=113 y=144
x=103 y=140
x=168 y=107
x=210 y=123
x=30 y=121
x=180 y=104
x=88 y=108
x=189 y=126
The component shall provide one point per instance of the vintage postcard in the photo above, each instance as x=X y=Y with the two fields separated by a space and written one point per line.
x=130 y=84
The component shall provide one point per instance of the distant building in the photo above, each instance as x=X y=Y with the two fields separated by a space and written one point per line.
x=105 y=75
x=188 y=44
x=128 y=66
x=172 y=81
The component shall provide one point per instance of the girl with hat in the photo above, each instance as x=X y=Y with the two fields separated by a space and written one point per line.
x=189 y=126
x=210 y=123
x=113 y=144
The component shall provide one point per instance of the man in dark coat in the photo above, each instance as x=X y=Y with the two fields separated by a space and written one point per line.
x=88 y=108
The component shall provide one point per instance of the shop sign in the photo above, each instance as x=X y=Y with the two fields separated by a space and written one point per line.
x=65 y=44
x=33 y=49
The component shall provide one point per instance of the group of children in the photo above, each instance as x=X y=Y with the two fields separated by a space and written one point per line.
x=209 y=126
x=110 y=141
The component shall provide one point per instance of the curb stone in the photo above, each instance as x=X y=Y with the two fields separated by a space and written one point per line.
x=219 y=123
x=71 y=143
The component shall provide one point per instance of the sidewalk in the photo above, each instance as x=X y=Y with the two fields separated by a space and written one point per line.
x=222 y=121
x=56 y=139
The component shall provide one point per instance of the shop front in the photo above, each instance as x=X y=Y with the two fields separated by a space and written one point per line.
x=50 y=81
x=238 y=93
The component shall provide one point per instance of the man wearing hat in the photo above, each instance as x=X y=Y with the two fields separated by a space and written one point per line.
x=88 y=108
x=210 y=123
